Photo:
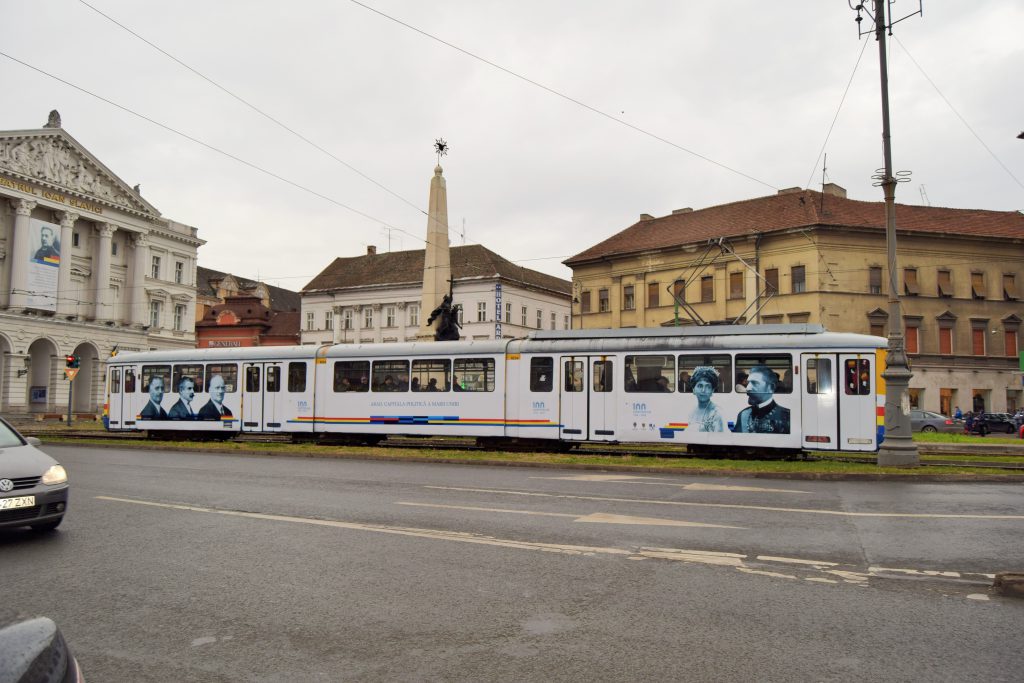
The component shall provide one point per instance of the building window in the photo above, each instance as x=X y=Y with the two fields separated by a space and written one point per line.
x=707 y=288
x=771 y=280
x=328 y=320
x=584 y=303
x=877 y=329
x=113 y=248
x=771 y=319
x=367 y=318
x=946 y=341
x=554 y=319
x=565 y=323
x=389 y=316
x=179 y=317
x=875 y=280
x=628 y=302
x=481 y=311
x=736 y=285
x=1010 y=337
x=910 y=286
x=978 y=285
x=508 y=312
x=653 y=293
x=912 y=344
x=540 y=318
x=679 y=290
x=799 y=279
x=414 y=315
x=310 y=320
x=346 y=319
x=522 y=316
x=179 y=272
x=155 y=270
x=978 y=339
x=74 y=239
x=1010 y=286
x=945 y=283
x=154 y=314
x=602 y=300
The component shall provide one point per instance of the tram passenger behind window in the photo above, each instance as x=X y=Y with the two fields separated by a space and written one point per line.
x=415 y=384
x=684 y=382
x=431 y=384
x=345 y=385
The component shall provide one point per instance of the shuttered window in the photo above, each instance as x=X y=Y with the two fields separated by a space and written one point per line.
x=736 y=285
x=1011 y=342
x=771 y=280
x=978 y=342
x=707 y=288
x=946 y=341
x=912 y=340
x=945 y=283
x=910 y=285
x=1010 y=287
x=978 y=285
x=652 y=295
x=875 y=280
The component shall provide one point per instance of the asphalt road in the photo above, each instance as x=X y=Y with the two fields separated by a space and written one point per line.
x=191 y=567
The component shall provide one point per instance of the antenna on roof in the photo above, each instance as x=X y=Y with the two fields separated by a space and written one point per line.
x=824 y=176
x=924 y=195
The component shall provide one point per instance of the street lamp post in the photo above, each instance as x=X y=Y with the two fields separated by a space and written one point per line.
x=898 y=449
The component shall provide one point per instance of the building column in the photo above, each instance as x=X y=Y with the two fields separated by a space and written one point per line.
x=357 y=322
x=19 y=252
x=378 y=324
x=66 y=303
x=140 y=310
x=101 y=273
x=338 y=322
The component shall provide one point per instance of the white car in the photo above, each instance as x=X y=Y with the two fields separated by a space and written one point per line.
x=33 y=486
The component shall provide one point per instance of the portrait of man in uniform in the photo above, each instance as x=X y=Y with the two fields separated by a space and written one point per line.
x=763 y=415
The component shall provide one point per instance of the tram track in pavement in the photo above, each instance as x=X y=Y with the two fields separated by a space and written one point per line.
x=468 y=444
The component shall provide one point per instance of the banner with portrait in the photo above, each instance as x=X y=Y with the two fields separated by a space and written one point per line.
x=43 y=264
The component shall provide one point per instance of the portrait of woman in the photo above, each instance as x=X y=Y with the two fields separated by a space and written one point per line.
x=705 y=417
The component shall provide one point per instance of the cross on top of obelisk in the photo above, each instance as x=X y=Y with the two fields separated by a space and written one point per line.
x=441 y=147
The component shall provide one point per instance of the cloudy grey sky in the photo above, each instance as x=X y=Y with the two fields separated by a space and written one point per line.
x=742 y=93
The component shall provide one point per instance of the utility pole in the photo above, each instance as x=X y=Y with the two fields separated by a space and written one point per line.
x=898 y=449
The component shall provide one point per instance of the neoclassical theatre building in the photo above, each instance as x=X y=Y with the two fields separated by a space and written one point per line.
x=87 y=267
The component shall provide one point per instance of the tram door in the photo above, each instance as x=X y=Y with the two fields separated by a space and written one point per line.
x=819 y=401
x=586 y=398
x=857 y=402
x=261 y=389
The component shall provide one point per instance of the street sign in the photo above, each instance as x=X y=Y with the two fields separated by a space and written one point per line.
x=71 y=373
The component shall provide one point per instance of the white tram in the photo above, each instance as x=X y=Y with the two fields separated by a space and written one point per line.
x=786 y=387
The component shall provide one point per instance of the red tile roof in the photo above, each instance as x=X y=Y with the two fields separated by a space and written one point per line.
x=798 y=209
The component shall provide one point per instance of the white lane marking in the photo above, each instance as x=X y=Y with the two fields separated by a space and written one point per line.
x=658 y=481
x=699 y=556
x=913 y=572
x=731 y=506
x=777 y=575
x=978 y=596
x=818 y=579
x=793 y=560
x=593 y=517
x=848 y=576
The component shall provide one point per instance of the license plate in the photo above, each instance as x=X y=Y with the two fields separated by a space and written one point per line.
x=22 y=502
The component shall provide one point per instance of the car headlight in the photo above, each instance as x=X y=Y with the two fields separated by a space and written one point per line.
x=55 y=475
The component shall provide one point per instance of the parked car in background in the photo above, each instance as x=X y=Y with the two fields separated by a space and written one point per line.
x=33 y=486
x=33 y=650
x=999 y=422
x=927 y=421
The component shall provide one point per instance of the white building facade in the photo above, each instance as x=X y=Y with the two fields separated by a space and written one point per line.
x=87 y=267
x=376 y=298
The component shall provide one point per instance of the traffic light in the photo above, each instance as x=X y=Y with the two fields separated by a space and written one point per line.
x=71 y=361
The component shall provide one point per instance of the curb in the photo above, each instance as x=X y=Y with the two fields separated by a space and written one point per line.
x=911 y=476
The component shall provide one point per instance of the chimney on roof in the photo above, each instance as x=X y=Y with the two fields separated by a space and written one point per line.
x=834 y=190
x=371 y=250
x=686 y=210
x=791 y=190
x=646 y=217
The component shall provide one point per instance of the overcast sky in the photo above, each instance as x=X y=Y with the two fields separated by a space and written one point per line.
x=742 y=93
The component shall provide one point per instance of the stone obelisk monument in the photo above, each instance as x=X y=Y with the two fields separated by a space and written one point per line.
x=437 y=265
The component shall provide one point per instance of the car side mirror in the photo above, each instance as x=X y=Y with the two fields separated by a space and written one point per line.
x=33 y=441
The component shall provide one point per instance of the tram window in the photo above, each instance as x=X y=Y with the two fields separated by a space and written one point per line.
x=602 y=381
x=819 y=376
x=193 y=372
x=129 y=381
x=720 y=365
x=252 y=378
x=778 y=368
x=573 y=376
x=391 y=375
x=115 y=381
x=858 y=377
x=151 y=371
x=431 y=375
x=296 y=377
x=473 y=374
x=227 y=372
x=352 y=375
x=650 y=374
x=274 y=378
x=542 y=372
